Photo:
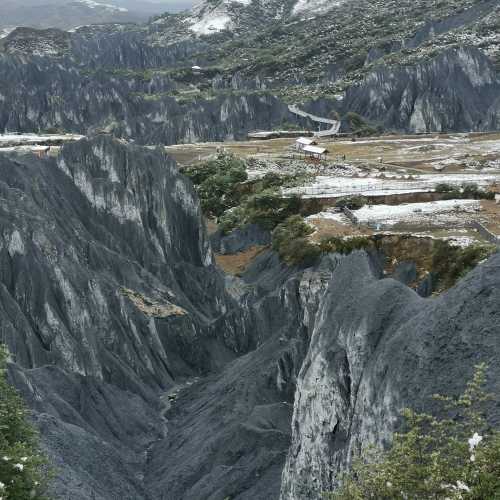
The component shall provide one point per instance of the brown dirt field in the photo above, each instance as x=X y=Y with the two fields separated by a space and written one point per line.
x=492 y=211
x=211 y=226
x=326 y=228
x=415 y=153
x=237 y=264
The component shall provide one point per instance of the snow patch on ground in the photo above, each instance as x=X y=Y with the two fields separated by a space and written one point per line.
x=314 y=6
x=330 y=215
x=26 y=139
x=333 y=186
x=206 y=19
x=413 y=212
x=211 y=23
x=96 y=5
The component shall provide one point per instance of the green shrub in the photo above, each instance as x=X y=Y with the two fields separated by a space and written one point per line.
x=475 y=192
x=346 y=245
x=351 y=202
x=468 y=191
x=268 y=208
x=450 y=263
x=444 y=188
x=291 y=243
x=360 y=127
x=22 y=467
x=455 y=456
x=216 y=182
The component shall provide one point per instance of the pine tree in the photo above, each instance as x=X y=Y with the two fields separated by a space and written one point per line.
x=456 y=457
x=23 y=470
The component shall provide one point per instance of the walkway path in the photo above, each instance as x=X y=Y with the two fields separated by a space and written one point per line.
x=335 y=124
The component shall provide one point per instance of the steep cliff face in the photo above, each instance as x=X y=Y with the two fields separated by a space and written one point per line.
x=44 y=98
x=151 y=375
x=228 y=435
x=456 y=91
x=377 y=348
x=108 y=296
x=115 y=315
x=108 y=239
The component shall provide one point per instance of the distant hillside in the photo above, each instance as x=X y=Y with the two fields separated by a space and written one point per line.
x=67 y=14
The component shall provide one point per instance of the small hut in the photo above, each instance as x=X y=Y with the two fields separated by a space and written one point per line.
x=315 y=152
x=41 y=151
x=302 y=142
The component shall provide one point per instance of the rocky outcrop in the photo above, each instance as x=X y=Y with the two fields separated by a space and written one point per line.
x=455 y=91
x=240 y=239
x=108 y=296
x=377 y=347
x=101 y=221
x=151 y=375
x=148 y=378
x=228 y=435
x=43 y=99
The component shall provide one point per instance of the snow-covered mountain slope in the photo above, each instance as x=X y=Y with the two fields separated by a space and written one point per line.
x=213 y=16
x=314 y=6
x=67 y=14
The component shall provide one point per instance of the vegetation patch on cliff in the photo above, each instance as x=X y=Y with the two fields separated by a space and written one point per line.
x=455 y=454
x=227 y=195
x=151 y=307
x=446 y=262
x=23 y=469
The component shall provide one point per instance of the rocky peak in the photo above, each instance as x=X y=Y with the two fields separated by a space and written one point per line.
x=35 y=42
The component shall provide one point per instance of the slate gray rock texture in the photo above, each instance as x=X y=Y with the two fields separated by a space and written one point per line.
x=151 y=375
x=458 y=90
x=38 y=94
x=240 y=239
x=108 y=295
x=377 y=347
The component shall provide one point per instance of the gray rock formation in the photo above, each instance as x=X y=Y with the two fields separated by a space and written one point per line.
x=108 y=297
x=377 y=347
x=240 y=239
x=44 y=99
x=456 y=91
x=151 y=375
x=114 y=316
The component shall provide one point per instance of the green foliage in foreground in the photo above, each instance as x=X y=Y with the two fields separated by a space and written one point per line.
x=227 y=195
x=452 y=457
x=291 y=243
x=23 y=472
x=216 y=181
x=467 y=191
x=450 y=263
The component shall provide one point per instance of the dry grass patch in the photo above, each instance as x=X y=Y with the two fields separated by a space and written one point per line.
x=238 y=263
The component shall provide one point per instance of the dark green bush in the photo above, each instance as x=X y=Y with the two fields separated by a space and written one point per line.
x=444 y=188
x=468 y=191
x=351 y=202
x=346 y=245
x=450 y=263
x=22 y=467
x=291 y=243
x=216 y=182
x=475 y=192
x=268 y=208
